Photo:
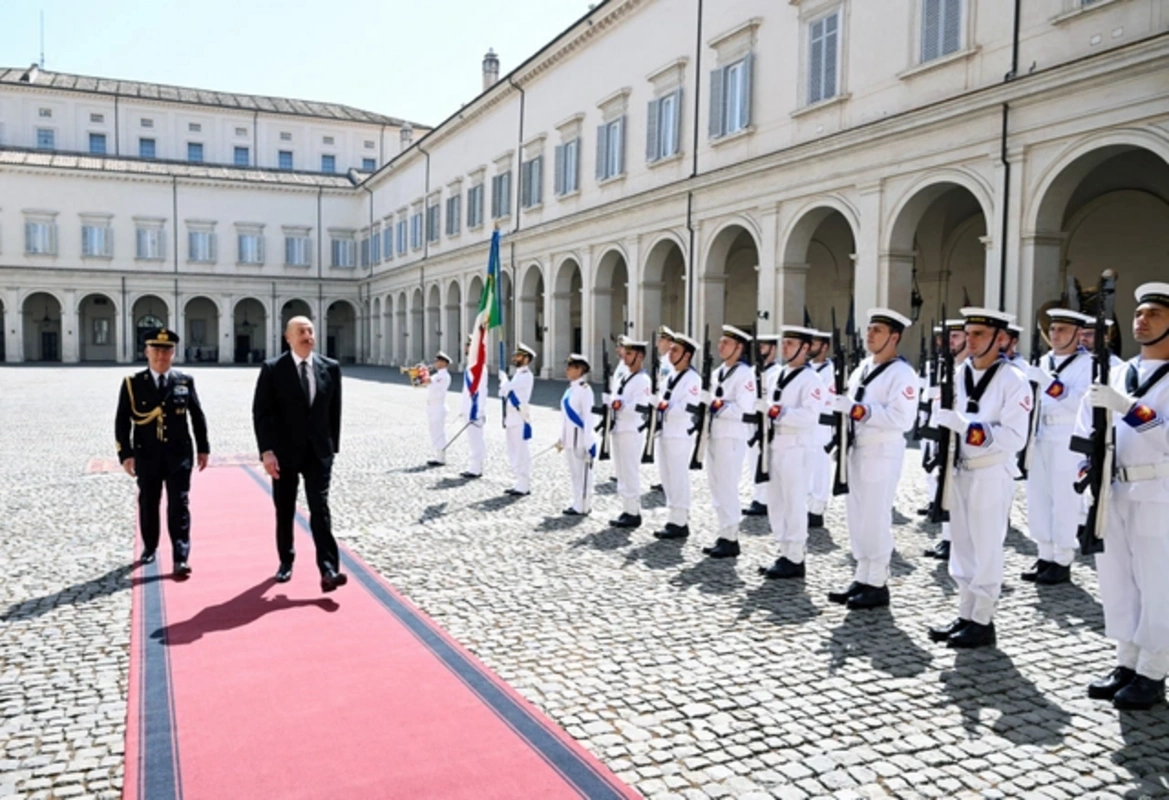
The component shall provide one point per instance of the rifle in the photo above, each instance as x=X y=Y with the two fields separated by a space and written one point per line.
x=929 y=456
x=1101 y=447
x=759 y=419
x=923 y=400
x=854 y=348
x=947 y=440
x=605 y=410
x=836 y=419
x=1033 y=421
x=651 y=410
x=700 y=411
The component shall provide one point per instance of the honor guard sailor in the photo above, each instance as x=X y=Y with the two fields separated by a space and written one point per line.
x=631 y=403
x=992 y=409
x=819 y=462
x=474 y=411
x=793 y=403
x=731 y=406
x=438 y=383
x=954 y=335
x=1053 y=507
x=767 y=346
x=1133 y=566
x=154 y=445
x=665 y=371
x=576 y=434
x=680 y=396
x=517 y=394
x=880 y=404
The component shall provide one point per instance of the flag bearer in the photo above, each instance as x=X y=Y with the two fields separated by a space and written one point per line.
x=475 y=413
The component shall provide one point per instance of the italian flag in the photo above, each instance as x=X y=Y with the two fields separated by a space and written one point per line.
x=490 y=316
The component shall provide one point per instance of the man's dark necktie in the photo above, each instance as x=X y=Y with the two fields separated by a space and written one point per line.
x=304 y=384
x=162 y=383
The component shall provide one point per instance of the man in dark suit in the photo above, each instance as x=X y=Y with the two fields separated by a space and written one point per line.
x=154 y=445
x=296 y=413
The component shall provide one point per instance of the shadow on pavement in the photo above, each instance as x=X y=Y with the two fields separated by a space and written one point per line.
x=873 y=635
x=785 y=602
x=243 y=609
x=658 y=554
x=1070 y=606
x=113 y=581
x=710 y=576
x=1143 y=753
x=560 y=523
x=606 y=539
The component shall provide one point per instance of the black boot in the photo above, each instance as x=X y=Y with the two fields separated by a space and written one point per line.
x=973 y=635
x=756 y=509
x=723 y=548
x=940 y=551
x=870 y=597
x=815 y=520
x=1039 y=566
x=1140 y=694
x=783 y=568
x=944 y=632
x=842 y=597
x=925 y=512
x=1107 y=687
x=1055 y=574
x=672 y=531
x=626 y=521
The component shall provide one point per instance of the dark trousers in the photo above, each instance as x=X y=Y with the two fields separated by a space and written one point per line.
x=178 y=512
x=317 y=475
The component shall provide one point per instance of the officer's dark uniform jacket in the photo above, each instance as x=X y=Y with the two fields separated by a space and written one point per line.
x=151 y=427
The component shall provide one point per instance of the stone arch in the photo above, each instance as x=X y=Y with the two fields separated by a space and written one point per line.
x=416 y=341
x=453 y=330
x=612 y=316
x=817 y=267
x=566 y=324
x=98 y=314
x=340 y=331
x=433 y=322
x=147 y=310
x=664 y=278
x=402 y=329
x=730 y=276
x=375 y=325
x=532 y=309
x=41 y=312
x=201 y=338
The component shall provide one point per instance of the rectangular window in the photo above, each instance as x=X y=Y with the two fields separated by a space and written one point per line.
x=251 y=248
x=365 y=254
x=416 y=231
x=241 y=131
x=344 y=253
x=532 y=182
x=241 y=157
x=388 y=240
x=730 y=97
x=150 y=244
x=201 y=246
x=147 y=123
x=284 y=159
x=401 y=236
x=97 y=241
x=97 y=144
x=663 y=128
x=823 y=57
x=328 y=163
x=454 y=214
x=146 y=148
x=298 y=251
x=433 y=223
x=501 y=195
x=285 y=136
x=46 y=139
x=195 y=152
x=45 y=113
x=369 y=165
x=941 y=28
x=98 y=118
x=194 y=127
x=611 y=149
x=475 y=206
x=567 y=178
x=327 y=140
x=40 y=238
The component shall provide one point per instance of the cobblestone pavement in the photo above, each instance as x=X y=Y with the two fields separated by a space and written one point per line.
x=690 y=678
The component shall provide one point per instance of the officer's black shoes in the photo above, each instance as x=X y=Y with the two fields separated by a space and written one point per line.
x=672 y=531
x=815 y=520
x=516 y=493
x=783 y=568
x=572 y=512
x=182 y=570
x=870 y=597
x=331 y=579
x=842 y=597
x=657 y=487
x=284 y=574
x=1039 y=566
x=940 y=551
x=626 y=521
x=434 y=463
x=1107 y=687
x=973 y=635
x=925 y=512
x=756 y=509
x=1140 y=694
x=722 y=548
x=1055 y=574
x=469 y=475
x=944 y=632
x=148 y=558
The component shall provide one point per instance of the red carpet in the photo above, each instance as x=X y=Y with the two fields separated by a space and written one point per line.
x=242 y=687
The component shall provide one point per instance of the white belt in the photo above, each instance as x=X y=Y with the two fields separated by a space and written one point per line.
x=1059 y=419
x=788 y=430
x=879 y=438
x=1143 y=472
x=982 y=462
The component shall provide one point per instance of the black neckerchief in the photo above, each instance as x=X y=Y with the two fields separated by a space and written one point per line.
x=974 y=391
x=1053 y=369
x=718 y=392
x=673 y=382
x=627 y=379
x=822 y=366
x=1130 y=380
x=784 y=380
x=869 y=377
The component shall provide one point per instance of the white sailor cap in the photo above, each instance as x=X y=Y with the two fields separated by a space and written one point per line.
x=1153 y=293
x=523 y=348
x=887 y=316
x=767 y=338
x=686 y=341
x=737 y=334
x=797 y=332
x=621 y=340
x=987 y=316
x=1067 y=315
x=441 y=356
x=577 y=358
x=954 y=325
x=1015 y=330
x=636 y=345
x=825 y=335
x=665 y=331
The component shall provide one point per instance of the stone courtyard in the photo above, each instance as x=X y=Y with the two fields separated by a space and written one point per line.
x=690 y=678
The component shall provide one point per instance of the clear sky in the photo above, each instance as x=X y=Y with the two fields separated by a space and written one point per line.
x=415 y=59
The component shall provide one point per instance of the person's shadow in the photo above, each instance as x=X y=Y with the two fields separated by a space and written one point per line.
x=662 y=554
x=710 y=576
x=874 y=635
x=113 y=581
x=1143 y=734
x=785 y=602
x=243 y=609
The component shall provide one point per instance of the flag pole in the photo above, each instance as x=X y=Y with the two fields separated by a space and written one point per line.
x=503 y=330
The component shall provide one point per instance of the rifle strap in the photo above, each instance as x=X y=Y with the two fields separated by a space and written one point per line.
x=1131 y=378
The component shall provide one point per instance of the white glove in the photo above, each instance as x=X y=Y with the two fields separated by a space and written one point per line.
x=704 y=397
x=1039 y=375
x=762 y=406
x=502 y=377
x=1100 y=396
x=842 y=404
x=525 y=415
x=606 y=398
x=954 y=420
x=934 y=393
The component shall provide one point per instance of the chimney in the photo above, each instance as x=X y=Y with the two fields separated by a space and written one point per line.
x=406 y=135
x=490 y=69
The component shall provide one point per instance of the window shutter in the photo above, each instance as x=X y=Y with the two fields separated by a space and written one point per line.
x=831 y=42
x=192 y=253
x=108 y=250
x=745 y=88
x=289 y=254
x=602 y=149
x=816 y=62
x=930 y=24
x=242 y=255
x=677 y=120
x=51 y=231
x=213 y=246
x=161 y=238
x=716 y=103
x=538 y=180
x=260 y=248
x=951 y=26
x=652 y=152
x=558 y=170
x=621 y=146
x=575 y=170
x=505 y=200
x=526 y=184
x=140 y=242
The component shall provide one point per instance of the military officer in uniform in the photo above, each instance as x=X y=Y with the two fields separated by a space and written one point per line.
x=154 y=445
x=679 y=398
x=631 y=402
x=767 y=349
x=438 y=383
x=1132 y=568
x=517 y=394
x=819 y=462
